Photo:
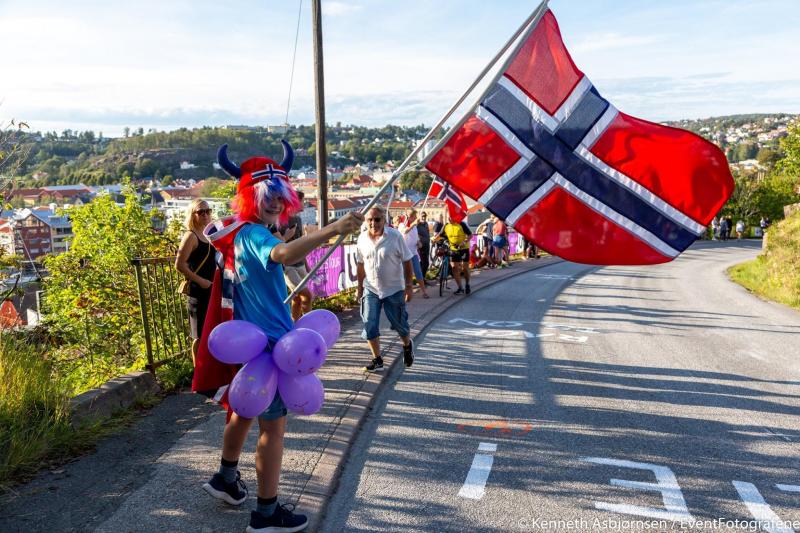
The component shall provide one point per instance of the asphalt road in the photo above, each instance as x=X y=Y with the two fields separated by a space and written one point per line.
x=584 y=398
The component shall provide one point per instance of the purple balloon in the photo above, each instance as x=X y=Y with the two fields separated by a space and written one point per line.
x=236 y=341
x=301 y=394
x=323 y=322
x=300 y=352
x=253 y=388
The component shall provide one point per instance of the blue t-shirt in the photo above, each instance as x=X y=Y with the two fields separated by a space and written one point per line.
x=259 y=293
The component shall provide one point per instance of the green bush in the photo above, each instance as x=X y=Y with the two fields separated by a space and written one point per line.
x=341 y=301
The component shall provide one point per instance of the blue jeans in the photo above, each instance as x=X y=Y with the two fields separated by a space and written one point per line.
x=394 y=307
x=417 y=267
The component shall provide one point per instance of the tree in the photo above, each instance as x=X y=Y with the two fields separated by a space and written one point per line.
x=144 y=168
x=767 y=157
x=13 y=154
x=776 y=191
x=220 y=188
x=418 y=180
x=90 y=299
x=790 y=145
x=743 y=203
x=746 y=151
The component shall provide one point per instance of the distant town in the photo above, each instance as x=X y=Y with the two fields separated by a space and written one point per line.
x=166 y=171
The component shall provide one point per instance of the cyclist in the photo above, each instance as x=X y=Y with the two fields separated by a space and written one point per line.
x=458 y=234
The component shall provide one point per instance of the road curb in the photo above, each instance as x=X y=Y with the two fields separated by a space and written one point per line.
x=324 y=479
x=112 y=396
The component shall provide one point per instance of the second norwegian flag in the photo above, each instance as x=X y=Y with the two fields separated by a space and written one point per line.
x=544 y=151
x=454 y=200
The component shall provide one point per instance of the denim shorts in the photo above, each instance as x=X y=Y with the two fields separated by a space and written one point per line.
x=276 y=409
x=394 y=307
x=417 y=267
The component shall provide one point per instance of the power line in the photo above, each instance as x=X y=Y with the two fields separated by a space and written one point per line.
x=294 y=59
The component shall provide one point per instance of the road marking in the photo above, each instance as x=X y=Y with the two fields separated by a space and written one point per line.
x=518 y=323
x=479 y=472
x=497 y=428
x=667 y=485
x=788 y=488
x=761 y=511
x=515 y=333
x=555 y=276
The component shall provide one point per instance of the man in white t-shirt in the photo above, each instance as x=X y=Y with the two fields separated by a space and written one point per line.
x=384 y=270
x=411 y=236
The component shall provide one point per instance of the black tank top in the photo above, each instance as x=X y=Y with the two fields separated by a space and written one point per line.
x=206 y=269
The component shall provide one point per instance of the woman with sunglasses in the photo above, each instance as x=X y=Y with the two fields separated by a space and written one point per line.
x=196 y=262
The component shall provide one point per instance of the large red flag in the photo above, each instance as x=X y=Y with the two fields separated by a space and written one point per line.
x=584 y=181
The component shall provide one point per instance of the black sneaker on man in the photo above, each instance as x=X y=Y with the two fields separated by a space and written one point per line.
x=374 y=365
x=282 y=520
x=459 y=291
x=408 y=353
x=467 y=289
x=234 y=493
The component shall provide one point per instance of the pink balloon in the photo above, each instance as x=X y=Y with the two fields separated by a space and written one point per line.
x=236 y=341
x=300 y=352
x=253 y=388
x=301 y=394
x=323 y=322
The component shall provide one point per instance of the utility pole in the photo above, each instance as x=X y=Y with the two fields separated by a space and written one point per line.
x=319 y=86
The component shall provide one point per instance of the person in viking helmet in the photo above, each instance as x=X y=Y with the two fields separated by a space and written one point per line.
x=251 y=287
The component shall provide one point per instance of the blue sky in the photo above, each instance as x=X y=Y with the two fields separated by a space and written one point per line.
x=104 y=65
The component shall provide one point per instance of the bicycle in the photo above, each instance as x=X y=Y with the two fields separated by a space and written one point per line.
x=442 y=260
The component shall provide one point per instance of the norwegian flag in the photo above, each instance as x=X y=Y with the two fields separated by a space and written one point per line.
x=211 y=376
x=544 y=151
x=456 y=205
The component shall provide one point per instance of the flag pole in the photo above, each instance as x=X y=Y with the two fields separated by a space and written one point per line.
x=533 y=16
x=427 y=195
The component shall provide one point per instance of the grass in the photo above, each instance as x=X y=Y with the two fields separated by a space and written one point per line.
x=775 y=274
x=35 y=428
x=34 y=407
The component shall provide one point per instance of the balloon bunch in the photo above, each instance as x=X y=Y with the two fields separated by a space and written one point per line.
x=288 y=369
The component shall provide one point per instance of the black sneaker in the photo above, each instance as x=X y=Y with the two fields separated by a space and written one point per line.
x=459 y=291
x=408 y=353
x=375 y=364
x=233 y=493
x=466 y=288
x=282 y=520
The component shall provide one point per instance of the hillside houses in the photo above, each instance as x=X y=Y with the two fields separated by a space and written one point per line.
x=61 y=194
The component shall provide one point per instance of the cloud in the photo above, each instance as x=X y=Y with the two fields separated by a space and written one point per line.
x=334 y=9
x=606 y=41
x=673 y=98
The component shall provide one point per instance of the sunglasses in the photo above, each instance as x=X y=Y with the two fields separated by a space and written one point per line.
x=203 y=211
x=375 y=219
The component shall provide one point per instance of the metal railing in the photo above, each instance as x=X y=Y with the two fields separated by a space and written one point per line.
x=165 y=319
